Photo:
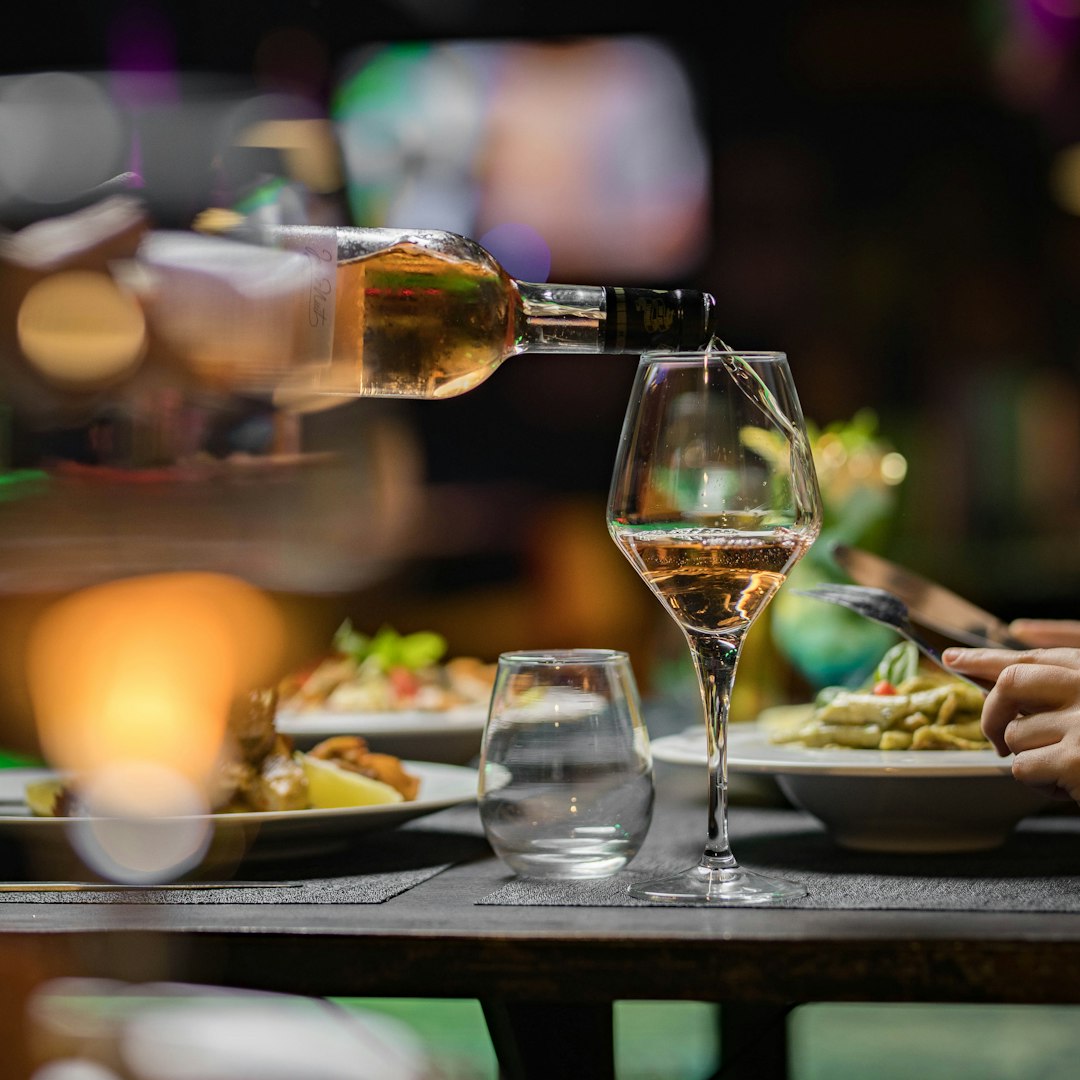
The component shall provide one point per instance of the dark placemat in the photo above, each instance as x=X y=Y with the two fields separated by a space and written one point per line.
x=357 y=889
x=1037 y=869
x=376 y=867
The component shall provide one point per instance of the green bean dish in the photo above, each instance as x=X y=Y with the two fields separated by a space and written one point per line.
x=903 y=706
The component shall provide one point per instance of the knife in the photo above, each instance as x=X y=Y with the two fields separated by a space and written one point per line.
x=928 y=603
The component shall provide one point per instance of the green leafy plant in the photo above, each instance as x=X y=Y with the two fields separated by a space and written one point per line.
x=389 y=649
x=860 y=474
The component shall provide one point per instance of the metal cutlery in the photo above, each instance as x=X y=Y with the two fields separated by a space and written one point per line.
x=883 y=607
x=929 y=604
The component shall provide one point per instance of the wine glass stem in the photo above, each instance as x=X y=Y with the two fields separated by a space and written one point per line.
x=715 y=660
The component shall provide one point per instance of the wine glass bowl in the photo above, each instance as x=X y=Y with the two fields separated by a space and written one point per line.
x=713 y=500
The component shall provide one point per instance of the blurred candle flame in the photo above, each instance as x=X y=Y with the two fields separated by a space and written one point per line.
x=132 y=682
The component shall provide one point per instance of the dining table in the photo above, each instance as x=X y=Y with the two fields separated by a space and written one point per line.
x=425 y=910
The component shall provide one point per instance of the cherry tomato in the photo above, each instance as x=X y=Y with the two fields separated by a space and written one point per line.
x=404 y=682
x=884 y=687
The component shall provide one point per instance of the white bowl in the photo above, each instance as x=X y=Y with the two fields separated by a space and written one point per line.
x=881 y=800
x=913 y=814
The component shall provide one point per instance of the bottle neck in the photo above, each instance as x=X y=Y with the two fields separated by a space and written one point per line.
x=602 y=318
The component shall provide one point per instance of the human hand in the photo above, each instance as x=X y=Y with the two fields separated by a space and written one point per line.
x=1033 y=711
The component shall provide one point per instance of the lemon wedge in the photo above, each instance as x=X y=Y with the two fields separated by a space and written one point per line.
x=41 y=797
x=332 y=788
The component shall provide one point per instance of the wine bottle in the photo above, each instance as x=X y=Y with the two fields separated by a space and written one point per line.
x=391 y=312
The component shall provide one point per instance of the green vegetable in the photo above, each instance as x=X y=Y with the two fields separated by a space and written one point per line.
x=826 y=694
x=899 y=663
x=389 y=648
x=349 y=642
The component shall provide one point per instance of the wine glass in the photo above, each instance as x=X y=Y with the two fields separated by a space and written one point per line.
x=714 y=499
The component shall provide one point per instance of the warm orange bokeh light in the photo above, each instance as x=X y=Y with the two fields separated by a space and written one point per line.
x=144 y=670
x=79 y=330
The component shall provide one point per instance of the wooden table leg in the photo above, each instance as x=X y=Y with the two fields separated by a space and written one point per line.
x=753 y=1042
x=536 y=1041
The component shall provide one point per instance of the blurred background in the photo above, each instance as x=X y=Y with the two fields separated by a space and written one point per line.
x=888 y=191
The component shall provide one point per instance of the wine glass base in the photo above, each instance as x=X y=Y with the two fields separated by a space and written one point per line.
x=730 y=885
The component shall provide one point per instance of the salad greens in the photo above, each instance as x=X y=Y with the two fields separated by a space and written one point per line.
x=389 y=649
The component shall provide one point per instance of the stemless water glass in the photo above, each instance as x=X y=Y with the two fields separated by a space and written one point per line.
x=566 y=775
x=714 y=499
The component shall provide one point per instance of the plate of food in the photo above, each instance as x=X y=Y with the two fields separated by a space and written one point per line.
x=266 y=798
x=399 y=691
x=898 y=764
x=439 y=786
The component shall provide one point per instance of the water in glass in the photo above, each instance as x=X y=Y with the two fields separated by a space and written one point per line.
x=566 y=777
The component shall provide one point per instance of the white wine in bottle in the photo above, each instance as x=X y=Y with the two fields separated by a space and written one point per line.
x=389 y=312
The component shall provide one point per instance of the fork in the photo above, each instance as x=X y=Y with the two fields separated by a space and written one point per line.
x=883 y=607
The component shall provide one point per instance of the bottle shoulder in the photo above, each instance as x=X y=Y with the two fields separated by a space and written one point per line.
x=356 y=242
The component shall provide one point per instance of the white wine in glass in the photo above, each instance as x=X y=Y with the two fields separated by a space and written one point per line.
x=714 y=499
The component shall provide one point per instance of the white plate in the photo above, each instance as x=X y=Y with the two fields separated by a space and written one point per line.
x=750 y=751
x=282 y=832
x=904 y=801
x=452 y=735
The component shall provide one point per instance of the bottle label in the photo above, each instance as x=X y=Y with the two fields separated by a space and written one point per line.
x=642 y=319
x=319 y=247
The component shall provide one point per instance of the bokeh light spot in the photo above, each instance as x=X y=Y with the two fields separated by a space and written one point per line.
x=309 y=149
x=61 y=136
x=893 y=468
x=145 y=670
x=132 y=683
x=78 y=329
x=145 y=823
x=1065 y=179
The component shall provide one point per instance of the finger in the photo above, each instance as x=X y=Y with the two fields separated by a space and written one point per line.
x=984 y=663
x=1030 y=732
x=989 y=663
x=1033 y=687
x=1047 y=633
x=997 y=714
x=1024 y=689
x=1048 y=768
